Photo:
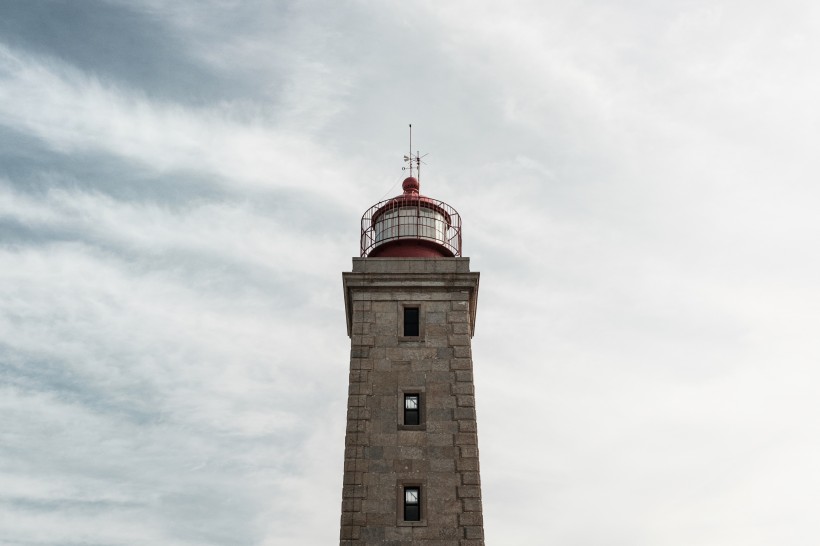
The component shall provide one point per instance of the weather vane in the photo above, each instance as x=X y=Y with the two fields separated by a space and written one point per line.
x=410 y=158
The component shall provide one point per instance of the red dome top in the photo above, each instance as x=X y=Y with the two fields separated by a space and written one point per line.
x=410 y=185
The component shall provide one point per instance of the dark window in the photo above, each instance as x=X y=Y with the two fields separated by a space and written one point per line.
x=412 y=503
x=411 y=321
x=411 y=409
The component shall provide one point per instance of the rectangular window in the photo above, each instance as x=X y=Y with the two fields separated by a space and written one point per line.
x=411 y=321
x=411 y=409
x=412 y=503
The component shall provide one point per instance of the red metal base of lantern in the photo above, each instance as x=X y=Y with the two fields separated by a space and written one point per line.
x=410 y=248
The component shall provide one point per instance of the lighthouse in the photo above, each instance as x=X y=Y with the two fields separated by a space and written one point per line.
x=411 y=471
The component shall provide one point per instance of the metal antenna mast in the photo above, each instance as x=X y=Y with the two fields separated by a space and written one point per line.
x=410 y=158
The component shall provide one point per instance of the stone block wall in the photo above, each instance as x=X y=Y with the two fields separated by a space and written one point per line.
x=381 y=453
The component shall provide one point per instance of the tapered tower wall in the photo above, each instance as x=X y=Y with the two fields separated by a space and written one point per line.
x=383 y=455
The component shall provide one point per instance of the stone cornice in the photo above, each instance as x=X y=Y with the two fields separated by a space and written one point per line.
x=391 y=274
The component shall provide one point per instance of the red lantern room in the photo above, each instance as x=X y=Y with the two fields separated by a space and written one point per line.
x=411 y=225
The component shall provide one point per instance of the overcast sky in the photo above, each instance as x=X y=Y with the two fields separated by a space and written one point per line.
x=181 y=185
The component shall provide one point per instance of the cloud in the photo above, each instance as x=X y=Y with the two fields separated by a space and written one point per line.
x=126 y=366
x=74 y=112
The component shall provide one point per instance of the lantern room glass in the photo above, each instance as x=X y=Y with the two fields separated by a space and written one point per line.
x=411 y=222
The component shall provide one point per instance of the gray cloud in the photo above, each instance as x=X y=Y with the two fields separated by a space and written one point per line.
x=124 y=45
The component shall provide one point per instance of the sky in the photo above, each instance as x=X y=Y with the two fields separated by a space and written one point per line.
x=181 y=185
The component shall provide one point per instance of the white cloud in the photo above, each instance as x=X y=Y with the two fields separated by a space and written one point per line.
x=146 y=352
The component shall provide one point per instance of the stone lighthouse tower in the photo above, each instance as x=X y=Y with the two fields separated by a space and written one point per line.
x=411 y=473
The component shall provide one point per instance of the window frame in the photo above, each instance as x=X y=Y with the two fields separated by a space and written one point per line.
x=401 y=487
x=402 y=394
x=401 y=311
